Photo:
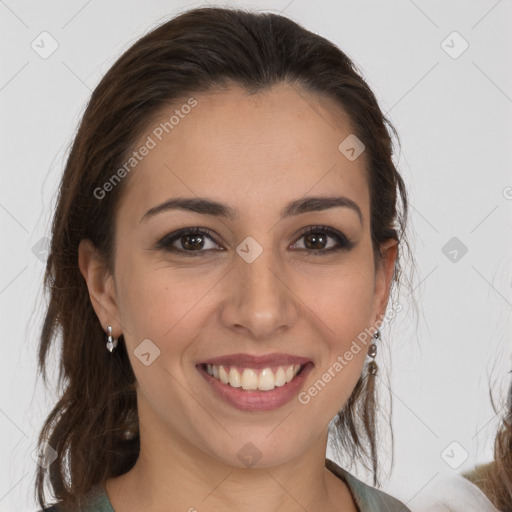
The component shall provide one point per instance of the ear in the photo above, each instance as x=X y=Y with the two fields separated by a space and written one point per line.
x=100 y=283
x=383 y=277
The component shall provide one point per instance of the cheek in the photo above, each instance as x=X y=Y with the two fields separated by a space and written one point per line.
x=346 y=312
x=345 y=301
x=161 y=303
x=152 y=306
x=156 y=307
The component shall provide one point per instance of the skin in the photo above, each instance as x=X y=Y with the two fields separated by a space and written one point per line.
x=255 y=153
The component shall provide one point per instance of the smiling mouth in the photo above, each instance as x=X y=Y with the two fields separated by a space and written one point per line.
x=248 y=379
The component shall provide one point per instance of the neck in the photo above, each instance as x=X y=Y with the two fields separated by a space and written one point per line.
x=172 y=472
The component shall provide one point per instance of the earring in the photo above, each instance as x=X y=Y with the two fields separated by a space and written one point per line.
x=372 y=352
x=370 y=400
x=111 y=341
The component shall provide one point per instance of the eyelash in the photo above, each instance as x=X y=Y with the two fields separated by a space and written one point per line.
x=166 y=242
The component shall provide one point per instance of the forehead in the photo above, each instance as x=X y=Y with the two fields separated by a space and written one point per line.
x=270 y=147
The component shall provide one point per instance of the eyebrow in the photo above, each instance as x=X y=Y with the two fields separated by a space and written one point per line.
x=205 y=206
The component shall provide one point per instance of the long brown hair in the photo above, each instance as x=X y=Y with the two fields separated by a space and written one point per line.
x=94 y=425
x=501 y=470
x=495 y=478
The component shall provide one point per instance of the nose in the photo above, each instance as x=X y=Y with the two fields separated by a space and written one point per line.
x=261 y=303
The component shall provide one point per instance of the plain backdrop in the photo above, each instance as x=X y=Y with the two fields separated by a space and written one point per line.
x=442 y=73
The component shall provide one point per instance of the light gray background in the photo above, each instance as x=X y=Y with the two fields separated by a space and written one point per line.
x=454 y=119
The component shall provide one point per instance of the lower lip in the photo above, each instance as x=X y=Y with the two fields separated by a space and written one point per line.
x=255 y=400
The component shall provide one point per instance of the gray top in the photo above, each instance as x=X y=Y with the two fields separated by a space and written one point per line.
x=367 y=499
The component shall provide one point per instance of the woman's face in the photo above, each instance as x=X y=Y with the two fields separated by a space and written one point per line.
x=250 y=295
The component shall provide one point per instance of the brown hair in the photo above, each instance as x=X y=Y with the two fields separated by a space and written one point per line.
x=94 y=425
x=495 y=478
x=501 y=469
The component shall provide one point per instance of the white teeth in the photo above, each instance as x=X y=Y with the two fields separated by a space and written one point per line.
x=280 y=377
x=223 y=375
x=266 y=380
x=249 y=379
x=234 y=378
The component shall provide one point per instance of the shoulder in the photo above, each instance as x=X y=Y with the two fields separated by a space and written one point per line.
x=454 y=493
x=482 y=476
x=367 y=498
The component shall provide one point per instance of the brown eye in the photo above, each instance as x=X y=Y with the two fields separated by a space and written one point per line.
x=194 y=241
x=188 y=241
x=316 y=240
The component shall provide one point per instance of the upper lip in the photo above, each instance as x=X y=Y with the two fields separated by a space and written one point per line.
x=254 y=361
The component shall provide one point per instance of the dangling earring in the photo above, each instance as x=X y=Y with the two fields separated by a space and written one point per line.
x=372 y=352
x=111 y=341
x=370 y=402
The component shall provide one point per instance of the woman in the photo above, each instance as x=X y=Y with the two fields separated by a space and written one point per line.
x=225 y=242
